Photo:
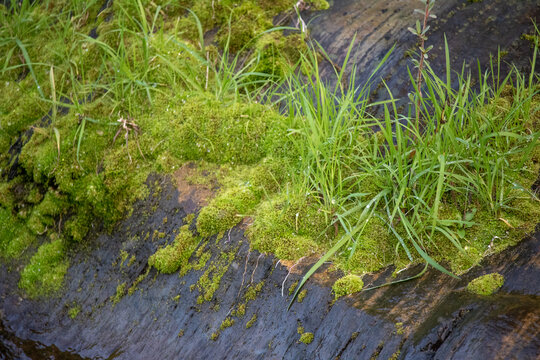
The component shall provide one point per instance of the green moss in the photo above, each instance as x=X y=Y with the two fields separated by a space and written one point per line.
x=240 y=310
x=176 y=255
x=44 y=274
x=14 y=236
x=399 y=328
x=78 y=226
x=374 y=249
x=43 y=215
x=253 y=291
x=220 y=133
x=123 y=257
x=74 y=311
x=228 y=322
x=137 y=281
x=225 y=210
x=486 y=284
x=251 y=321
x=306 y=338
x=210 y=280
x=301 y=295
x=203 y=260
x=120 y=292
x=293 y=287
x=287 y=227
x=214 y=336
x=247 y=21
x=347 y=285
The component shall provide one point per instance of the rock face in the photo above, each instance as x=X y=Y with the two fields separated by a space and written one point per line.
x=163 y=316
x=430 y=318
x=475 y=30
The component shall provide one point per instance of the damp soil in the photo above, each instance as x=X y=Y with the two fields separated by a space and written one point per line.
x=433 y=317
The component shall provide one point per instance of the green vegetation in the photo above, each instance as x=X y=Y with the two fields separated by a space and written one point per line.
x=120 y=292
x=445 y=181
x=301 y=295
x=176 y=255
x=347 y=285
x=486 y=284
x=209 y=282
x=74 y=311
x=251 y=321
x=306 y=338
x=45 y=272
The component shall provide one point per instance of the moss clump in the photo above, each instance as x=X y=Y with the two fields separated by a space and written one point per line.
x=306 y=338
x=237 y=133
x=214 y=336
x=253 y=291
x=301 y=295
x=42 y=215
x=251 y=321
x=240 y=310
x=347 y=285
x=287 y=227
x=293 y=287
x=399 y=328
x=225 y=210
x=120 y=292
x=486 y=284
x=44 y=274
x=74 y=311
x=228 y=322
x=14 y=236
x=176 y=255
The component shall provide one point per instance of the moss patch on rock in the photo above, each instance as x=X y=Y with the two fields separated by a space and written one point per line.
x=486 y=284
x=174 y=256
x=347 y=285
x=44 y=275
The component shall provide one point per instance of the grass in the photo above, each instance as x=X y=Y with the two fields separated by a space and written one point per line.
x=435 y=183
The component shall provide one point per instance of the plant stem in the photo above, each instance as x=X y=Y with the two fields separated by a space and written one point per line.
x=421 y=63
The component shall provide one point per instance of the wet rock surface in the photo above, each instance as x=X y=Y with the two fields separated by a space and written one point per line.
x=475 y=31
x=433 y=317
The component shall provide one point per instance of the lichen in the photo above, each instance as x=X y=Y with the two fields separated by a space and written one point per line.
x=486 y=284
x=347 y=285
